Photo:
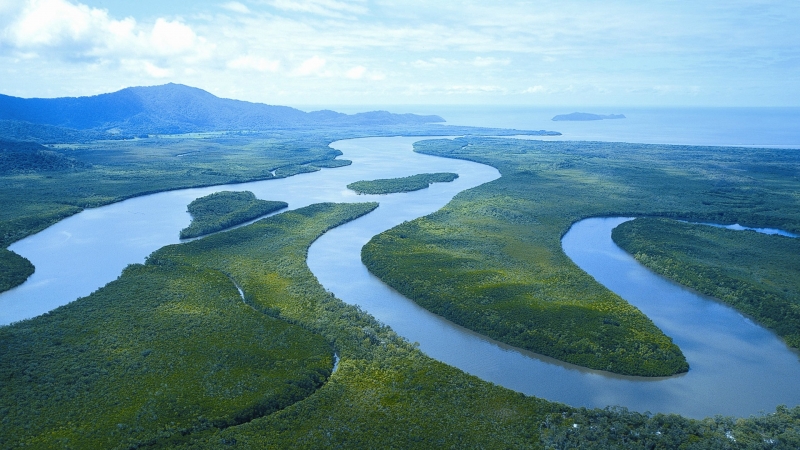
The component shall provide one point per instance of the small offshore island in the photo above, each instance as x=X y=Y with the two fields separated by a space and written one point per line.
x=579 y=117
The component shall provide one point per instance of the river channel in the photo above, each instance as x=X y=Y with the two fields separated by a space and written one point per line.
x=737 y=367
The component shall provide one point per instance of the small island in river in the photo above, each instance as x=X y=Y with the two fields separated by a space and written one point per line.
x=405 y=184
x=579 y=116
x=221 y=210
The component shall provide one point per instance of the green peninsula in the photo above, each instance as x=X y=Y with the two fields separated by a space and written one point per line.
x=225 y=209
x=491 y=260
x=404 y=184
x=757 y=274
x=14 y=269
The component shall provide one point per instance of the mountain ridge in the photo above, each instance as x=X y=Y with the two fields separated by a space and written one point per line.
x=176 y=108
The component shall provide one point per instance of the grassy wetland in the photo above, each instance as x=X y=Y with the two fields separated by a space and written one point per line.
x=491 y=260
x=757 y=274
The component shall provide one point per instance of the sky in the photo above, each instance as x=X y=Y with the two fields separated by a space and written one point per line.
x=411 y=52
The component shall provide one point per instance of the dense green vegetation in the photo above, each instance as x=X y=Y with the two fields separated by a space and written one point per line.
x=28 y=157
x=14 y=269
x=163 y=351
x=404 y=184
x=384 y=394
x=221 y=210
x=42 y=185
x=107 y=172
x=617 y=428
x=491 y=260
x=78 y=376
x=755 y=273
x=48 y=134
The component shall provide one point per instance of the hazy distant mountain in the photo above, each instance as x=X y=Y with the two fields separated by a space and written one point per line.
x=579 y=116
x=175 y=108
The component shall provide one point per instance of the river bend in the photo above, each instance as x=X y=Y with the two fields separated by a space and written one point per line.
x=737 y=367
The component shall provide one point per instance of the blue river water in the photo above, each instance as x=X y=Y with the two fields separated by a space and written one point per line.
x=83 y=252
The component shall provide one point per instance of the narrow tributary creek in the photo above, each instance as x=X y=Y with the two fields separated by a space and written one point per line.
x=737 y=367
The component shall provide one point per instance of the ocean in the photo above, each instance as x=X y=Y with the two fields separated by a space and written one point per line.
x=748 y=127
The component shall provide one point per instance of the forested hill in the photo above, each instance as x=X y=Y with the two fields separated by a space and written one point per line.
x=175 y=108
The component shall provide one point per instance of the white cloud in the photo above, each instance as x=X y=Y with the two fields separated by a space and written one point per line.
x=535 y=89
x=171 y=38
x=637 y=53
x=52 y=22
x=331 y=8
x=432 y=62
x=489 y=61
x=155 y=71
x=254 y=63
x=670 y=89
x=236 y=7
x=65 y=30
x=473 y=89
x=478 y=61
x=356 y=72
x=459 y=89
x=310 y=66
x=9 y=6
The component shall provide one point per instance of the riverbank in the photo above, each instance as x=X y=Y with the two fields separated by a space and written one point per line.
x=137 y=223
x=756 y=273
x=384 y=393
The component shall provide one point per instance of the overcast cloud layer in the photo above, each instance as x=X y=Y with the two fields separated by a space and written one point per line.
x=716 y=53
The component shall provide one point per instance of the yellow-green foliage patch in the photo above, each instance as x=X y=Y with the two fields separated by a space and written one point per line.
x=755 y=273
x=491 y=260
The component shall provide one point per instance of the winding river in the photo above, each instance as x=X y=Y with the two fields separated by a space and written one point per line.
x=737 y=367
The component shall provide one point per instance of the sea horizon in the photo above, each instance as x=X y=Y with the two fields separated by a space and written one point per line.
x=767 y=127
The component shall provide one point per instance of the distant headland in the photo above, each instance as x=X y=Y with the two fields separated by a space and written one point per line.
x=176 y=108
x=587 y=116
